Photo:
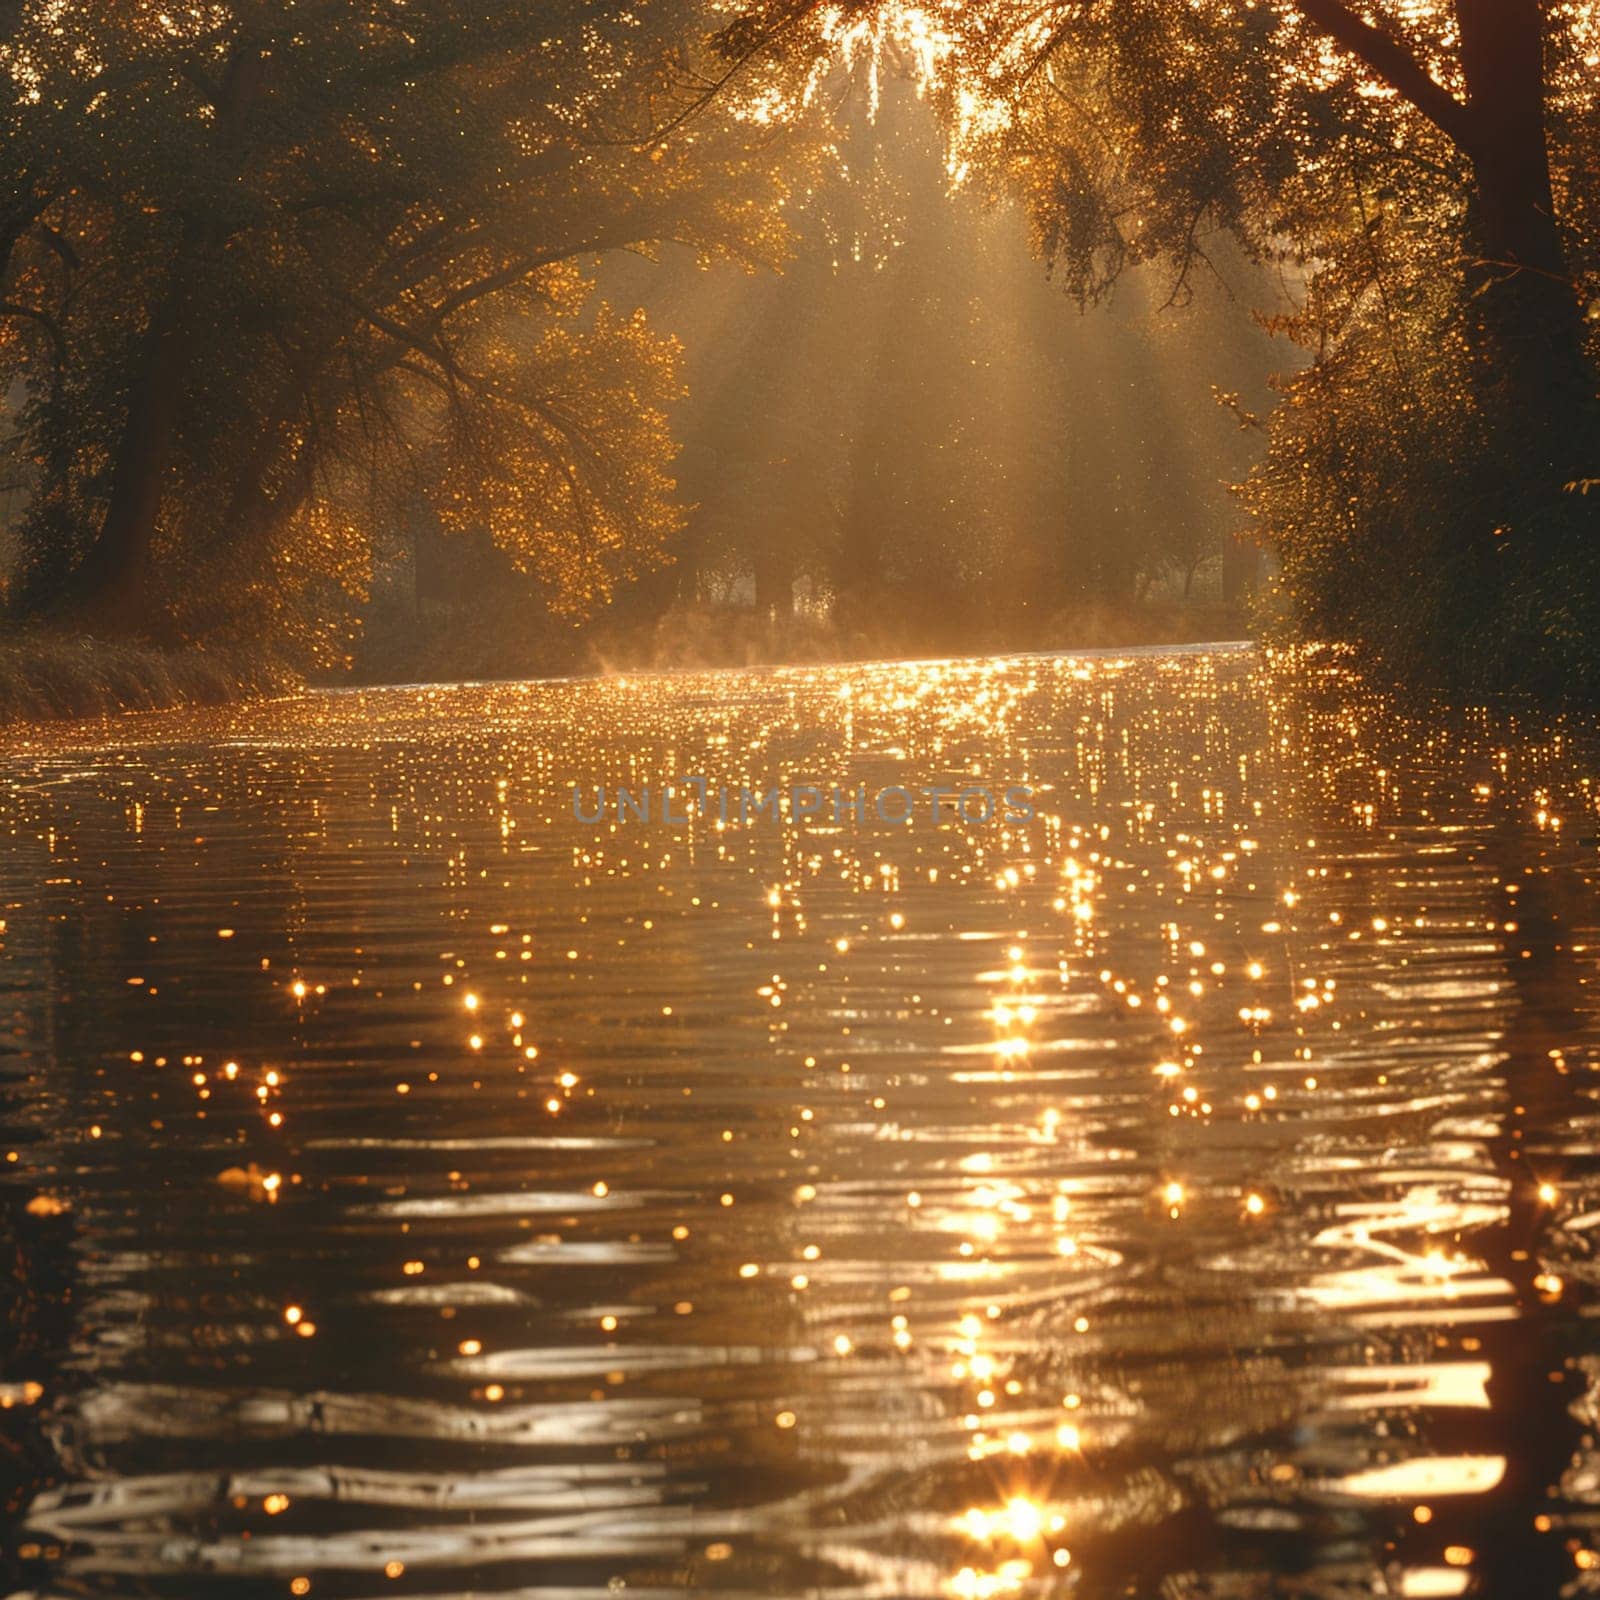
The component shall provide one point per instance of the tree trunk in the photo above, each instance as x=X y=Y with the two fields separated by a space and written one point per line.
x=1241 y=570
x=110 y=584
x=1502 y=57
x=1529 y=299
x=774 y=583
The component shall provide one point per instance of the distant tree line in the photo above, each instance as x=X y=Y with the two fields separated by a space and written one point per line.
x=910 y=422
x=1429 y=479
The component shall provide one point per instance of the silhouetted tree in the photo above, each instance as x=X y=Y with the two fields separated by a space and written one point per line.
x=271 y=270
x=1425 y=171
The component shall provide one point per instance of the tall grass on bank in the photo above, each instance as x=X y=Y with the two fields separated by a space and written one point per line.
x=48 y=674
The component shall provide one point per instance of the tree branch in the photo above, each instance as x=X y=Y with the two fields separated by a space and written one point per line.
x=1395 y=64
x=58 y=340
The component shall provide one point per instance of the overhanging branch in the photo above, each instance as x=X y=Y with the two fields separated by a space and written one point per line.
x=1395 y=64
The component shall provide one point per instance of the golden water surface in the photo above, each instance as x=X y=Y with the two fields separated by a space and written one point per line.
x=407 y=1189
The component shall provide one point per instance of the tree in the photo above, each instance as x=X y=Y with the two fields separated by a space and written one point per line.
x=1133 y=127
x=907 y=418
x=1373 y=152
x=270 y=270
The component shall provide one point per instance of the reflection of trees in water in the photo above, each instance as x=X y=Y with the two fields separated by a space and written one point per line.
x=1238 y=1400
x=38 y=1281
x=1528 y=898
x=1516 y=1528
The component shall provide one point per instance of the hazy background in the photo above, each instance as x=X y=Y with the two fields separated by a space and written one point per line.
x=909 y=439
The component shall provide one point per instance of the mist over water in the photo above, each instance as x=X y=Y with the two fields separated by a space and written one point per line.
x=414 y=1191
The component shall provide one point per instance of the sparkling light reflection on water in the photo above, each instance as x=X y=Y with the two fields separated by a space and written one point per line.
x=410 y=1191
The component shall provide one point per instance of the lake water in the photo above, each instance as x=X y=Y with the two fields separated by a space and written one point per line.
x=408 y=1190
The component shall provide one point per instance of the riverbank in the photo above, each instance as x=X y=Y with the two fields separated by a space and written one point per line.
x=47 y=674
